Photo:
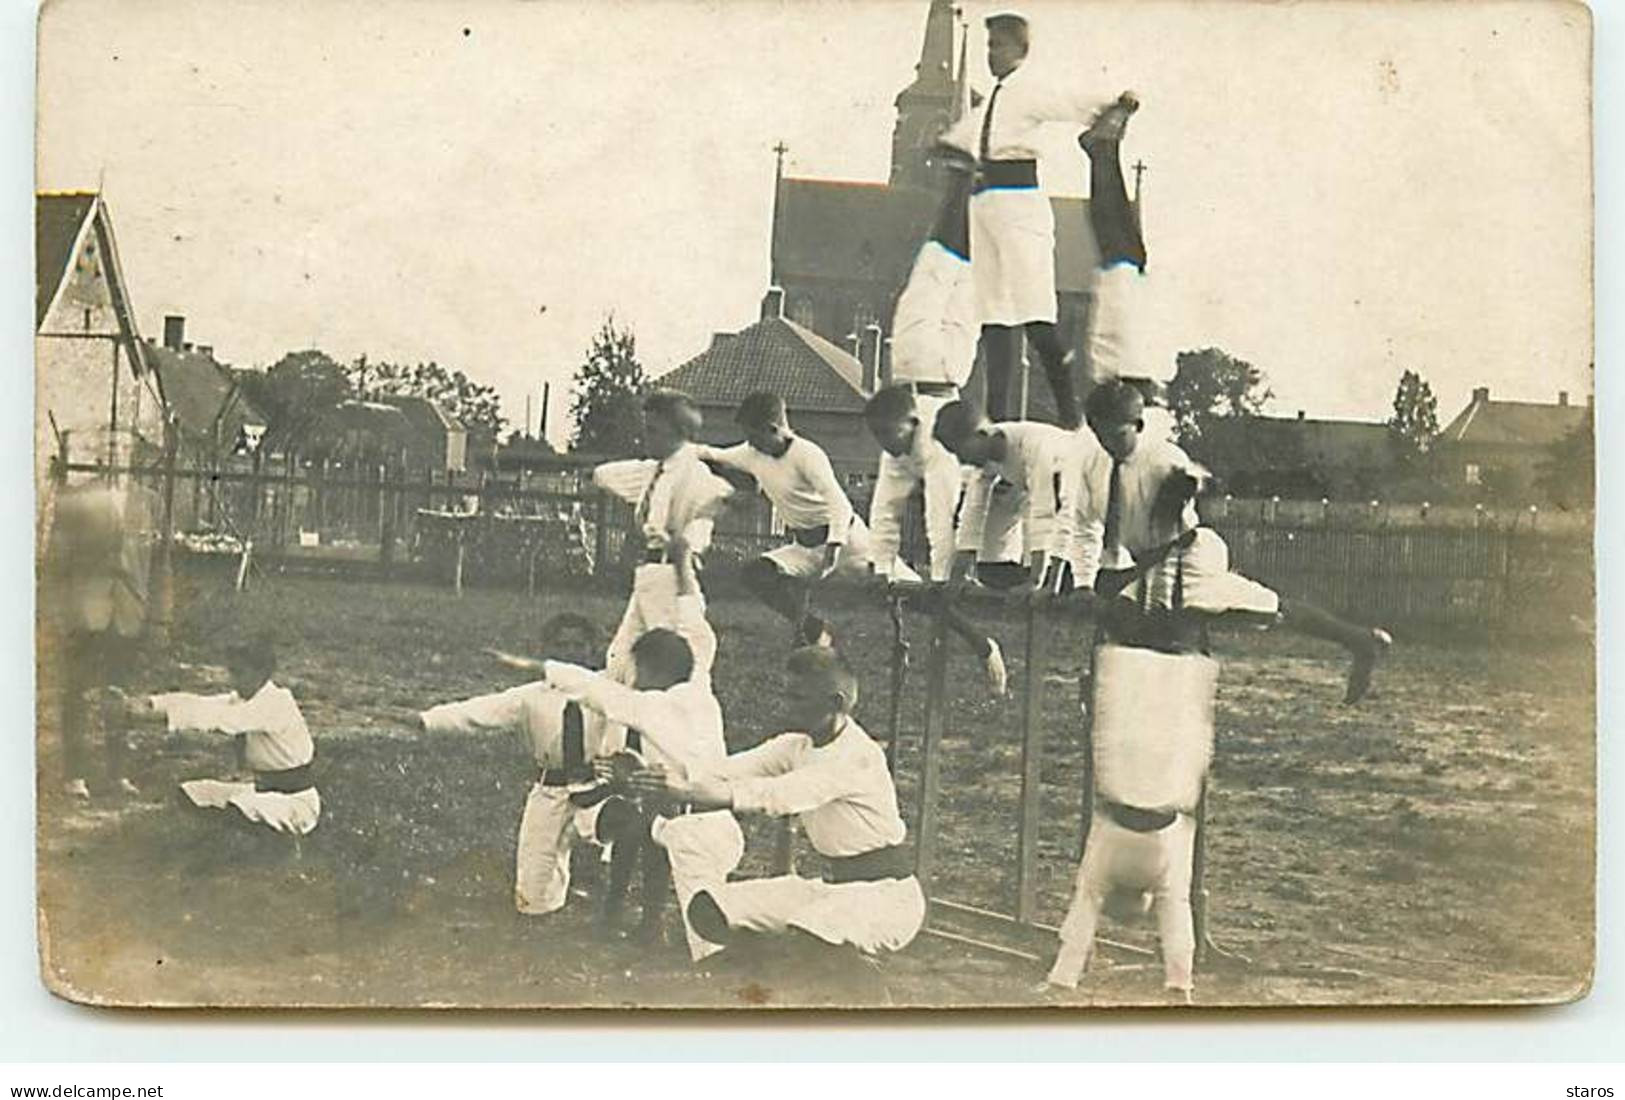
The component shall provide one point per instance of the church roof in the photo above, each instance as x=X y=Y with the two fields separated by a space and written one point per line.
x=849 y=231
x=778 y=356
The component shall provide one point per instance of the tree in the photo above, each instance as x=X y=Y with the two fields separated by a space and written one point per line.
x=1209 y=384
x=298 y=390
x=1567 y=475
x=475 y=405
x=605 y=406
x=1414 y=424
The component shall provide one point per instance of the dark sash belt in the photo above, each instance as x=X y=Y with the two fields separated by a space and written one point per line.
x=1006 y=173
x=809 y=536
x=876 y=866
x=1138 y=820
x=287 y=781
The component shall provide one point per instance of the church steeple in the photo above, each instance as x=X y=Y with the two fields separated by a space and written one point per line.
x=929 y=105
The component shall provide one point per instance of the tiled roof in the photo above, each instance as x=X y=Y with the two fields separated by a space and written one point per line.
x=850 y=231
x=1339 y=444
x=776 y=355
x=1526 y=423
x=197 y=389
x=422 y=413
x=57 y=221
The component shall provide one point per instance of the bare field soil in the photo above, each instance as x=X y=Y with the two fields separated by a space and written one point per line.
x=1434 y=845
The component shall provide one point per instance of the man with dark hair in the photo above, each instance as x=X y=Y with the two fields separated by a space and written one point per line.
x=676 y=498
x=1139 y=505
x=1016 y=523
x=554 y=730
x=674 y=722
x=1012 y=226
x=911 y=458
x=826 y=536
x=1116 y=334
x=273 y=741
x=832 y=777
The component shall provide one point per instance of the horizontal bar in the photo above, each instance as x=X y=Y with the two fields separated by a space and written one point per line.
x=991 y=923
x=984 y=945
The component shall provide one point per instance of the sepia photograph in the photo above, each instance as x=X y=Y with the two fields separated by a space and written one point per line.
x=836 y=504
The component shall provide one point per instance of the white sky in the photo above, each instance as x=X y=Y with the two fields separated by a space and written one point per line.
x=1336 y=191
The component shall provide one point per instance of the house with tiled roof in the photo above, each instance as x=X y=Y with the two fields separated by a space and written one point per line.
x=214 y=418
x=94 y=394
x=1496 y=448
x=1300 y=457
x=824 y=386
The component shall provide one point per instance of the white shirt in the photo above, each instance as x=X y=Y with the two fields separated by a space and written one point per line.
x=1144 y=473
x=935 y=327
x=801 y=483
x=932 y=465
x=275 y=736
x=535 y=710
x=681 y=727
x=842 y=792
x=672 y=494
x=1023 y=102
x=1043 y=463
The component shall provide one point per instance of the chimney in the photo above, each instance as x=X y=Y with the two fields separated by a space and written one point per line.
x=1481 y=395
x=174 y=331
x=773 y=303
x=885 y=363
x=206 y=349
x=870 y=357
x=1563 y=398
x=1300 y=414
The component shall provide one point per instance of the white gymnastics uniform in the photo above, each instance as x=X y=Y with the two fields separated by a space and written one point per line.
x=681 y=730
x=1150 y=763
x=804 y=492
x=673 y=497
x=276 y=745
x=1042 y=467
x=550 y=823
x=1201 y=566
x=934 y=334
x=1012 y=228
x=843 y=795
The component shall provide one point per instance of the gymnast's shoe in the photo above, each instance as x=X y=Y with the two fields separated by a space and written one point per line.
x=1110 y=124
x=1366 y=657
x=998 y=677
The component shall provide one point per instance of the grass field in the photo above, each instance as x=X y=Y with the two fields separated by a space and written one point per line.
x=1433 y=845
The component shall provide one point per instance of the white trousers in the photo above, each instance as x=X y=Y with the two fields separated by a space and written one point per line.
x=1117 y=858
x=1209 y=585
x=895 y=483
x=297 y=814
x=872 y=916
x=1012 y=250
x=1116 y=337
x=653 y=604
x=548 y=829
x=855 y=561
x=703 y=849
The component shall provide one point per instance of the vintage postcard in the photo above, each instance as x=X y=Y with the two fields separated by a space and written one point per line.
x=770 y=505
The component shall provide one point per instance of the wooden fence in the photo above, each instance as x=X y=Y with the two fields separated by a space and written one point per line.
x=1375 y=562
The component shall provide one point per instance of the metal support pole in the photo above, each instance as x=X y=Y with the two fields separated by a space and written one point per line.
x=925 y=817
x=1032 y=748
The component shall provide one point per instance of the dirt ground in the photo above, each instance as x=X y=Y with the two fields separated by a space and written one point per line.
x=1434 y=845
